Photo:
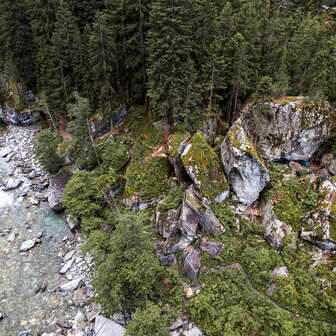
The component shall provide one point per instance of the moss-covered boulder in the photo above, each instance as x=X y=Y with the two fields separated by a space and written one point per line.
x=146 y=180
x=291 y=128
x=204 y=168
x=245 y=169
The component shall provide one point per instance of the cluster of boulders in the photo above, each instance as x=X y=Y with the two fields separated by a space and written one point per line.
x=290 y=133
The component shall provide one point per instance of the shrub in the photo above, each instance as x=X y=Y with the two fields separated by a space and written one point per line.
x=45 y=148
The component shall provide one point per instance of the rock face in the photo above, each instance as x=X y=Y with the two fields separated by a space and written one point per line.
x=57 y=185
x=106 y=327
x=288 y=130
x=196 y=213
x=204 y=167
x=12 y=117
x=192 y=263
x=275 y=230
x=244 y=168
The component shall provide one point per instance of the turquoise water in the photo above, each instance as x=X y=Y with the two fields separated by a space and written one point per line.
x=21 y=273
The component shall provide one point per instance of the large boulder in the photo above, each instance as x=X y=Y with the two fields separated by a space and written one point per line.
x=56 y=188
x=11 y=116
x=288 y=128
x=167 y=222
x=204 y=168
x=244 y=168
x=195 y=214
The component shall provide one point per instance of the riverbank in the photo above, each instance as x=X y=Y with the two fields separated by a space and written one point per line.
x=45 y=288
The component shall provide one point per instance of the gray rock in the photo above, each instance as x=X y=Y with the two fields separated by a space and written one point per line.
x=167 y=222
x=291 y=130
x=192 y=263
x=107 y=327
x=246 y=171
x=27 y=245
x=168 y=260
x=193 y=332
x=213 y=249
x=210 y=130
x=4 y=152
x=71 y=285
x=56 y=188
x=65 y=268
x=72 y=221
x=12 y=183
x=12 y=117
x=274 y=230
x=24 y=333
x=328 y=161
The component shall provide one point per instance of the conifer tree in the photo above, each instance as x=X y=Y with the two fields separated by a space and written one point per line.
x=172 y=76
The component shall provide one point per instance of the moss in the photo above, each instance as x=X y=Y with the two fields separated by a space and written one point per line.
x=136 y=120
x=203 y=163
x=147 y=178
x=173 y=200
x=293 y=200
x=175 y=142
x=226 y=216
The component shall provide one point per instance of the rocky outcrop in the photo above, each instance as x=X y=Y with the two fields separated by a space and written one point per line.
x=212 y=248
x=56 y=188
x=274 y=230
x=12 y=117
x=204 y=168
x=291 y=130
x=244 y=168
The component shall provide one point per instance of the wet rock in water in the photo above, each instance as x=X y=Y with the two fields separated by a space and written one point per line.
x=56 y=188
x=4 y=152
x=245 y=169
x=192 y=263
x=2 y=315
x=11 y=237
x=12 y=183
x=204 y=167
x=213 y=249
x=27 y=245
x=274 y=230
x=71 y=285
x=107 y=327
x=288 y=129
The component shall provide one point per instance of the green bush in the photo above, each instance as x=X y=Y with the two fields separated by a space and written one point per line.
x=130 y=274
x=114 y=154
x=45 y=148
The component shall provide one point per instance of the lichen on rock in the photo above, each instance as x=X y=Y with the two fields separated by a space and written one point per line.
x=204 y=167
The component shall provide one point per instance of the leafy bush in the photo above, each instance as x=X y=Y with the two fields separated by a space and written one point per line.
x=45 y=148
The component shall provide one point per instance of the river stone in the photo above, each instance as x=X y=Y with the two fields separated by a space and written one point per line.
x=71 y=285
x=65 y=268
x=291 y=130
x=213 y=249
x=204 y=167
x=72 y=221
x=27 y=245
x=56 y=188
x=12 y=183
x=274 y=230
x=107 y=327
x=4 y=152
x=246 y=171
x=192 y=263
x=24 y=333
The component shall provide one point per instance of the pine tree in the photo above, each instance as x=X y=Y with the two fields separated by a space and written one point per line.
x=101 y=62
x=172 y=76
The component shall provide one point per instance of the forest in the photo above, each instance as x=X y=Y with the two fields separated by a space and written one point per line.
x=184 y=60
